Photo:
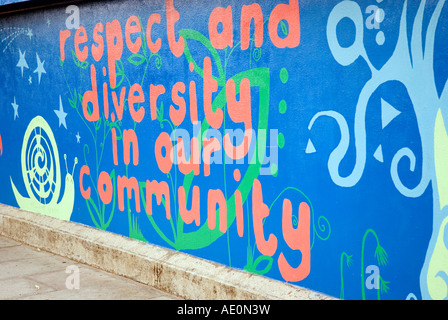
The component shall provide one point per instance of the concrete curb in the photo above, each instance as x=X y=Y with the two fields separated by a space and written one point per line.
x=167 y=270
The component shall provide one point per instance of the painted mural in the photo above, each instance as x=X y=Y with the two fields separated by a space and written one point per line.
x=304 y=141
x=5 y=2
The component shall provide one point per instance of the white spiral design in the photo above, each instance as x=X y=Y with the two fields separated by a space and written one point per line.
x=40 y=163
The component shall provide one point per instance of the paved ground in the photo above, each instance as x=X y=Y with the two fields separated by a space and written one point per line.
x=27 y=273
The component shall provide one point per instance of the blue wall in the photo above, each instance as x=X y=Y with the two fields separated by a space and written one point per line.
x=346 y=102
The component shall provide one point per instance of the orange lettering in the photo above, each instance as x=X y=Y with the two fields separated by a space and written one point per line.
x=225 y=38
x=164 y=162
x=129 y=137
x=210 y=86
x=98 y=50
x=216 y=197
x=155 y=92
x=290 y=13
x=297 y=239
x=159 y=190
x=249 y=12
x=81 y=37
x=133 y=26
x=178 y=116
x=154 y=47
x=105 y=188
x=137 y=116
x=114 y=41
x=192 y=215
x=260 y=211
x=131 y=184
x=85 y=193
x=239 y=111
x=172 y=16
x=92 y=97
x=63 y=36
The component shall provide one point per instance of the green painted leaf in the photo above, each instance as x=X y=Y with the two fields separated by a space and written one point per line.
x=137 y=59
x=78 y=63
x=284 y=27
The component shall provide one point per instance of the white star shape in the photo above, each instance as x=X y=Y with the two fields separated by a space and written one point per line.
x=40 y=67
x=78 y=138
x=29 y=33
x=22 y=62
x=61 y=114
x=16 y=108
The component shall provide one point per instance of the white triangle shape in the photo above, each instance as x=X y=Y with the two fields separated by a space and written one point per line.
x=310 y=147
x=388 y=113
x=379 y=154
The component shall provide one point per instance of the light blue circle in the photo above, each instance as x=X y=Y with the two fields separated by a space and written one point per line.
x=380 y=38
x=346 y=55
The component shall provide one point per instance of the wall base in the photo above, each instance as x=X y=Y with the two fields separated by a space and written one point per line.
x=167 y=270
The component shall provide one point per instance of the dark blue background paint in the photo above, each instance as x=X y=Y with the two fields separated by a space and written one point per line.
x=316 y=83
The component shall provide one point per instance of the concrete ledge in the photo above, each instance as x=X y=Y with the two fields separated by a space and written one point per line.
x=167 y=270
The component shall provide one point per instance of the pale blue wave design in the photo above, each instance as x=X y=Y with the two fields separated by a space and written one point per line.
x=411 y=64
x=411 y=296
x=399 y=68
x=339 y=152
